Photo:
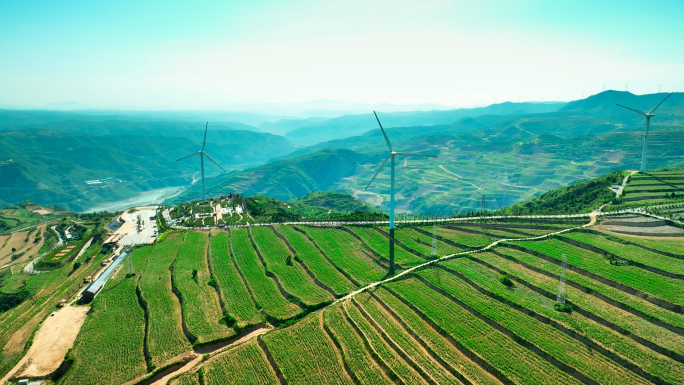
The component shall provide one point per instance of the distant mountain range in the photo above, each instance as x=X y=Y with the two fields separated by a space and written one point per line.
x=512 y=151
x=509 y=157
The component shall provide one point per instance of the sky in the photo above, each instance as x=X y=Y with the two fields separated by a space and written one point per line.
x=137 y=54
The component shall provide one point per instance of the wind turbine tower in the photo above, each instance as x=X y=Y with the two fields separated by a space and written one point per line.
x=392 y=155
x=648 y=116
x=202 y=154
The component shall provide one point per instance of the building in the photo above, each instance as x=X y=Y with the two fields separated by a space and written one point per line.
x=91 y=291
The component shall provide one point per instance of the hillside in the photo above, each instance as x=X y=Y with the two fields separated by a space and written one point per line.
x=509 y=165
x=52 y=167
x=261 y=302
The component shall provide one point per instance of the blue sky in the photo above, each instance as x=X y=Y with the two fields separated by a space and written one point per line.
x=207 y=54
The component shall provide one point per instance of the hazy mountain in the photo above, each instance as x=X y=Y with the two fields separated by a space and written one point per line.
x=352 y=125
x=52 y=167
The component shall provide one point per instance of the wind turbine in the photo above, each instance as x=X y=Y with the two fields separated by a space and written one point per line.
x=202 y=154
x=391 y=156
x=648 y=116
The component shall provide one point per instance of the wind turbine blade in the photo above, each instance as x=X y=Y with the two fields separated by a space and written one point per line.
x=207 y=155
x=632 y=109
x=656 y=107
x=197 y=153
x=383 y=132
x=407 y=154
x=204 y=143
x=379 y=169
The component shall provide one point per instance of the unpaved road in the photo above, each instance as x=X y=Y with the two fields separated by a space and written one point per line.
x=54 y=338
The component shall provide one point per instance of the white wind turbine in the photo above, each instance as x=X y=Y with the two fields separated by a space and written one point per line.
x=391 y=156
x=202 y=154
x=648 y=116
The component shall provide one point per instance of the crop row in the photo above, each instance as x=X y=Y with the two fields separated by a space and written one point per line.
x=422 y=243
x=305 y=354
x=265 y=291
x=356 y=354
x=663 y=287
x=385 y=354
x=233 y=292
x=379 y=244
x=630 y=301
x=347 y=253
x=629 y=252
x=665 y=245
x=201 y=308
x=244 y=364
x=452 y=353
x=165 y=337
x=551 y=341
x=514 y=361
x=620 y=339
x=425 y=363
x=280 y=262
x=322 y=269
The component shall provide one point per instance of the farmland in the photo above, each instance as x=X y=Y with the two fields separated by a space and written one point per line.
x=455 y=321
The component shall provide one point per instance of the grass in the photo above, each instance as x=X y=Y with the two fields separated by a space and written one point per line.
x=631 y=301
x=651 y=361
x=380 y=245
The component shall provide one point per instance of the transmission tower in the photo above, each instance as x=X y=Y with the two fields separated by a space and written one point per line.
x=129 y=262
x=433 y=253
x=560 y=300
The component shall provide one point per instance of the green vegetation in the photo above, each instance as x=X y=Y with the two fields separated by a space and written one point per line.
x=201 y=309
x=657 y=285
x=293 y=278
x=305 y=354
x=234 y=294
x=165 y=338
x=245 y=364
x=263 y=288
x=110 y=345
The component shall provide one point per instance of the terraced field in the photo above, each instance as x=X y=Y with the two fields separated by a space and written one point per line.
x=454 y=321
x=655 y=187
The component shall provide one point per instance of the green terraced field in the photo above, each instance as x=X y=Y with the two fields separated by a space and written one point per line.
x=453 y=322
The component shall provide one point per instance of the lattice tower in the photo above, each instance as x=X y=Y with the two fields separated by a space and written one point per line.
x=561 y=284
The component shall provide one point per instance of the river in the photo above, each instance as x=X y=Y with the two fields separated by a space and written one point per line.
x=145 y=198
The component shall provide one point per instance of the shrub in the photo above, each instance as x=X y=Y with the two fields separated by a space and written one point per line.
x=506 y=281
x=567 y=308
x=212 y=282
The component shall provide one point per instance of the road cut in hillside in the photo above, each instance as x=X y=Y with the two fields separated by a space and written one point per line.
x=52 y=341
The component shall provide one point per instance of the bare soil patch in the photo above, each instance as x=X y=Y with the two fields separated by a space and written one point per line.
x=53 y=340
